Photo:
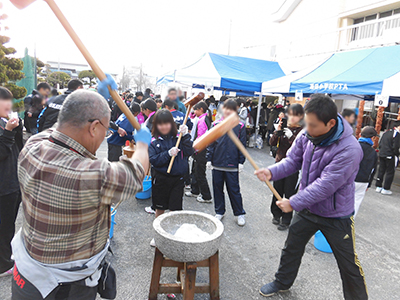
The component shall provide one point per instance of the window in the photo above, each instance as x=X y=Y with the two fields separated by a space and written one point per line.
x=385 y=14
x=374 y=29
x=358 y=21
x=371 y=17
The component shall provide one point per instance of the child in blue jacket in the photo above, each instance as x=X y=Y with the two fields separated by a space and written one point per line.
x=167 y=188
x=226 y=162
x=117 y=140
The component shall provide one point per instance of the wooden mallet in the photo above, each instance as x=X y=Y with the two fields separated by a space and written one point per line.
x=189 y=104
x=225 y=127
x=89 y=58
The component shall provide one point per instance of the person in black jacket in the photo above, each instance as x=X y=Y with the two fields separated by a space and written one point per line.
x=149 y=108
x=33 y=113
x=10 y=196
x=226 y=161
x=42 y=89
x=167 y=188
x=48 y=116
x=388 y=157
x=283 y=138
x=368 y=165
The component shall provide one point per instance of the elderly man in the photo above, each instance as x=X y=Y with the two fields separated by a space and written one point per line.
x=67 y=194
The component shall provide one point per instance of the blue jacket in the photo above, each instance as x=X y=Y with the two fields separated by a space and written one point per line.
x=181 y=106
x=179 y=117
x=223 y=152
x=124 y=123
x=159 y=157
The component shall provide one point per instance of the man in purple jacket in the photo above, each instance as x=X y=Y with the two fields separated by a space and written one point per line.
x=329 y=157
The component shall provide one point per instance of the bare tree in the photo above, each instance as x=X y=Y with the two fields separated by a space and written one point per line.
x=135 y=78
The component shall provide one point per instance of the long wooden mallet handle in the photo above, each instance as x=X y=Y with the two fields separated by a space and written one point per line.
x=216 y=132
x=189 y=104
x=242 y=149
x=89 y=58
x=171 y=162
x=224 y=127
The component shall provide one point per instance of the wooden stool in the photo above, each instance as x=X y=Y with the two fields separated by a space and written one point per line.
x=186 y=276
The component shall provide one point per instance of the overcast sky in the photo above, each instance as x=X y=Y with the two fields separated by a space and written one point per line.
x=159 y=34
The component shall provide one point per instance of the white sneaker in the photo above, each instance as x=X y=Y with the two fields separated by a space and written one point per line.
x=219 y=217
x=149 y=210
x=7 y=273
x=189 y=194
x=378 y=189
x=241 y=220
x=386 y=192
x=201 y=200
x=152 y=243
x=188 y=187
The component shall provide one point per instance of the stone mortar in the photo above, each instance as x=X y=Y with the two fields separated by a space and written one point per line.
x=177 y=248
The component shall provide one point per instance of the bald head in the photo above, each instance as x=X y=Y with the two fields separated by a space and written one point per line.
x=82 y=106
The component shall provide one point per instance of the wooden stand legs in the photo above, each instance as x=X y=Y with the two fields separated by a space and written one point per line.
x=186 y=278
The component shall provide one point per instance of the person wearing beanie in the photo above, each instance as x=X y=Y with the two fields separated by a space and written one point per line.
x=368 y=165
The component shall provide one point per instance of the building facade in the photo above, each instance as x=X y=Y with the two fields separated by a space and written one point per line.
x=310 y=31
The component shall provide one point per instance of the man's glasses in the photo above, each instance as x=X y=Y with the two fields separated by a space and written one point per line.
x=92 y=120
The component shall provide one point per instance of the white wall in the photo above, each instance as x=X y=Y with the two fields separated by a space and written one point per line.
x=310 y=29
x=310 y=33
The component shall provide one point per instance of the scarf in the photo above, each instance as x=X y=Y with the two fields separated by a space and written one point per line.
x=366 y=140
x=319 y=139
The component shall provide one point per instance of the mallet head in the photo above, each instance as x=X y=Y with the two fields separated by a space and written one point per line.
x=20 y=4
x=194 y=100
x=216 y=132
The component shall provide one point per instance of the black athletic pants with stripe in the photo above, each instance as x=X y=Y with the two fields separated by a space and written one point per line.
x=340 y=235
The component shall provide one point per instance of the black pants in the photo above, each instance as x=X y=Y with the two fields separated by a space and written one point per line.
x=22 y=289
x=199 y=180
x=263 y=131
x=9 y=205
x=285 y=187
x=231 y=179
x=187 y=177
x=341 y=237
x=386 y=170
x=114 y=152
x=167 y=191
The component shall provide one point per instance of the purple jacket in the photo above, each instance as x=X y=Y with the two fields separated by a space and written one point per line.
x=328 y=172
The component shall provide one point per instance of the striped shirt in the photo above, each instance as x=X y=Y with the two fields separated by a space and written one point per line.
x=66 y=196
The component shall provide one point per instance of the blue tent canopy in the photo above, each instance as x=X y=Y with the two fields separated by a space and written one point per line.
x=227 y=73
x=361 y=72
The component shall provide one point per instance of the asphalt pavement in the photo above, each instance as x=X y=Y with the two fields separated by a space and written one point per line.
x=249 y=255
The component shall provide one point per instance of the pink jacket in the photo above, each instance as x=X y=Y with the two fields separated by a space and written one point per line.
x=202 y=125
x=140 y=118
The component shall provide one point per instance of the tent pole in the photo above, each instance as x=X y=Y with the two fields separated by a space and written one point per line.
x=378 y=125
x=258 y=114
x=360 y=118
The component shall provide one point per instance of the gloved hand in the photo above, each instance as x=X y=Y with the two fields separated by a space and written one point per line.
x=173 y=151
x=143 y=135
x=102 y=86
x=183 y=129
x=209 y=165
x=240 y=169
x=288 y=133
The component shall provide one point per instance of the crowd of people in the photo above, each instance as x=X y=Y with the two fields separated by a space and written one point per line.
x=60 y=251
